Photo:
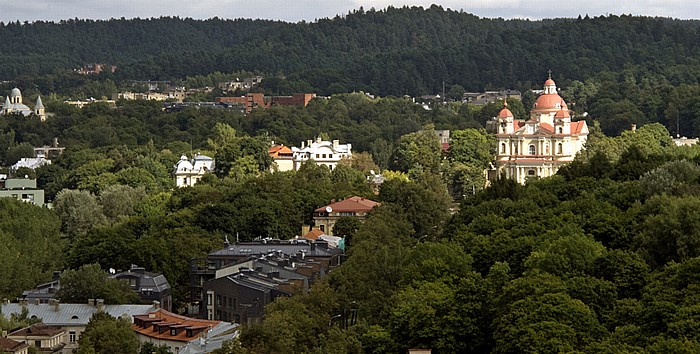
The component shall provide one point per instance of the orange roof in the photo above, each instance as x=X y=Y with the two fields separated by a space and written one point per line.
x=352 y=204
x=314 y=234
x=577 y=127
x=169 y=320
x=505 y=112
x=279 y=150
x=549 y=82
x=548 y=101
x=563 y=113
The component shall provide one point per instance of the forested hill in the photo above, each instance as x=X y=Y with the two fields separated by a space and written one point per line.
x=390 y=52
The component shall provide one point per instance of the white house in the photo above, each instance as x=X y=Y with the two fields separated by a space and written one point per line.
x=189 y=172
x=323 y=152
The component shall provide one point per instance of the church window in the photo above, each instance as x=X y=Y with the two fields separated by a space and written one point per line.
x=532 y=150
x=531 y=172
x=546 y=148
x=559 y=149
x=561 y=130
x=503 y=148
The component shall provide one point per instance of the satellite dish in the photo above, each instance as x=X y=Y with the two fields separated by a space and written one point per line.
x=329 y=209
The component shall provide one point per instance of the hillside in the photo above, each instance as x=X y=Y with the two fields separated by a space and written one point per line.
x=390 y=52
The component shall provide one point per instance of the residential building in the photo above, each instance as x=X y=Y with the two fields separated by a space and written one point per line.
x=49 y=152
x=45 y=339
x=22 y=189
x=149 y=286
x=13 y=105
x=540 y=145
x=72 y=318
x=30 y=162
x=323 y=153
x=82 y=103
x=13 y=347
x=482 y=98
x=444 y=137
x=162 y=327
x=325 y=217
x=258 y=100
x=312 y=259
x=95 y=68
x=245 y=85
x=189 y=172
x=282 y=156
x=683 y=141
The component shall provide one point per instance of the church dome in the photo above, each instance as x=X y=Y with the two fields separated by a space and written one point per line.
x=563 y=113
x=505 y=112
x=15 y=93
x=549 y=100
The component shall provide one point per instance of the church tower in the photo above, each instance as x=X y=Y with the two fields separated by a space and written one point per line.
x=39 y=110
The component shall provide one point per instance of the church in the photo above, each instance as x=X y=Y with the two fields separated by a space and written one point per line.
x=539 y=145
x=13 y=105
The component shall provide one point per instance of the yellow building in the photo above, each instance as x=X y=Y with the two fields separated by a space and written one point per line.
x=540 y=145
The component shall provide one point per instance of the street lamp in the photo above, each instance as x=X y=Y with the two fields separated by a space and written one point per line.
x=330 y=322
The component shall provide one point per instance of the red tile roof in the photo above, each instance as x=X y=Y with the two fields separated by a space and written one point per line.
x=38 y=329
x=280 y=150
x=9 y=345
x=168 y=321
x=577 y=127
x=352 y=204
x=314 y=234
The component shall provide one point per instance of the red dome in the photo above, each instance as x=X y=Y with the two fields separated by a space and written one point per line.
x=549 y=82
x=549 y=101
x=563 y=113
x=505 y=113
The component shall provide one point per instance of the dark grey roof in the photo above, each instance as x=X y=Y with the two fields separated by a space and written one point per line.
x=288 y=247
x=155 y=282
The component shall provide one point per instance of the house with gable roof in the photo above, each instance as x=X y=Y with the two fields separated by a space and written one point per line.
x=12 y=346
x=539 y=145
x=326 y=216
x=162 y=327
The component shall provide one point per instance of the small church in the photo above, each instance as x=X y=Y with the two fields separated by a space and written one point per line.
x=14 y=105
x=538 y=145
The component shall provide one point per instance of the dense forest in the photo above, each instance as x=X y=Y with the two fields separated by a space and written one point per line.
x=600 y=258
x=395 y=51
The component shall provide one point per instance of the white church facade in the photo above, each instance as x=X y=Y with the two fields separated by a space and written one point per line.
x=14 y=105
x=539 y=145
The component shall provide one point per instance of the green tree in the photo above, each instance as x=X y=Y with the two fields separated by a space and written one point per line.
x=106 y=334
x=91 y=282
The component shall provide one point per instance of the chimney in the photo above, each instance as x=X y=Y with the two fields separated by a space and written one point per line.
x=4 y=334
x=91 y=302
x=156 y=304
x=302 y=145
x=56 y=304
x=336 y=143
x=634 y=127
x=37 y=301
x=5 y=301
x=100 y=305
x=313 y=246
x=55 y=142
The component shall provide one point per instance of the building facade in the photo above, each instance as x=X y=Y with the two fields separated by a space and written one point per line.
x=325 y=217
x=538 y=146
x=189 y=172
x=14 y=105
x=323 y=153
